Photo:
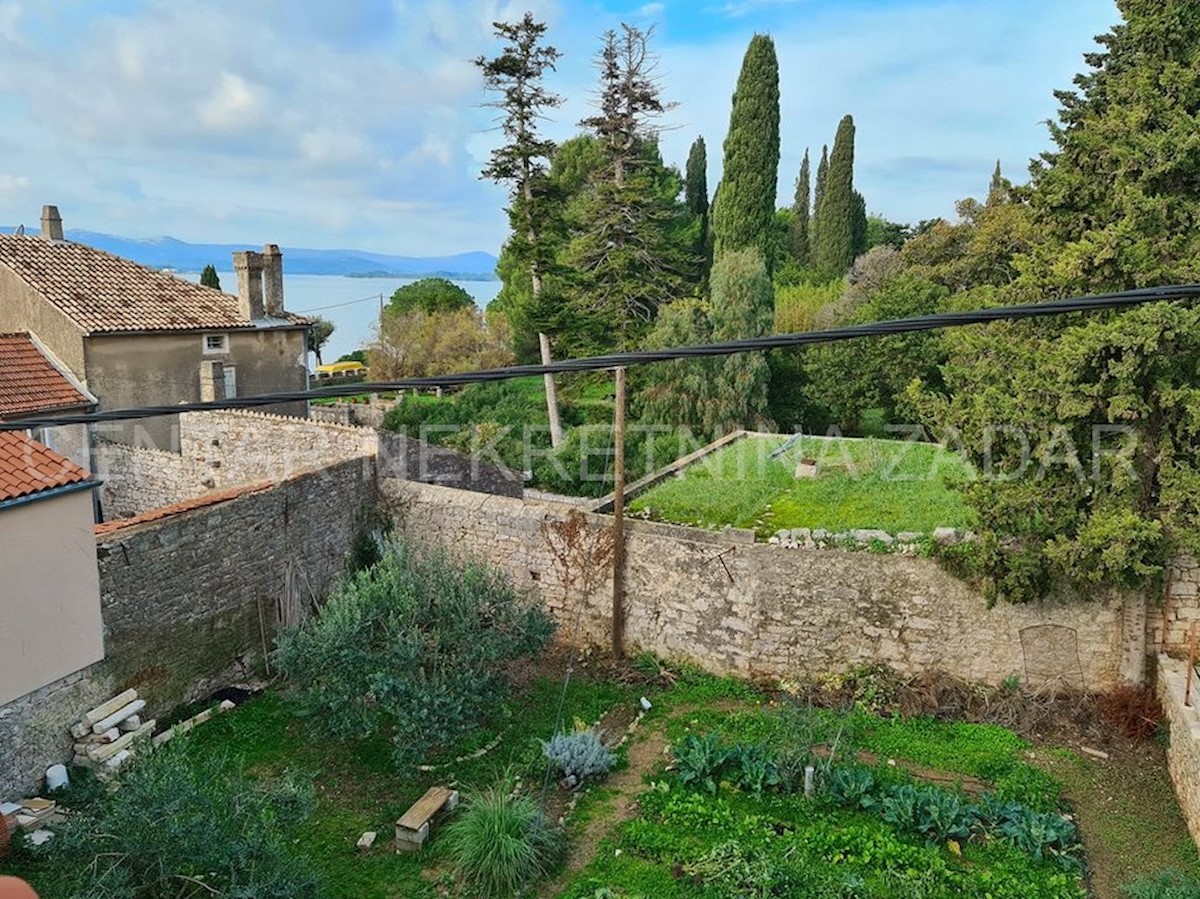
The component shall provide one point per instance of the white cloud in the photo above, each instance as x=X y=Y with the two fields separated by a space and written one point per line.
x=12 y=185
x=650 y=10
x=10 y=18
x=736 y=9
x=234 y=104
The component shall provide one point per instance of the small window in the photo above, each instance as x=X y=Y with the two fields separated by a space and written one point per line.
x=230 y=381
x=216 y=343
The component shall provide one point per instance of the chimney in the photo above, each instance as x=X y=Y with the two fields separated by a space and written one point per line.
x=249 y=268
x=273 y=280
x=51 y=223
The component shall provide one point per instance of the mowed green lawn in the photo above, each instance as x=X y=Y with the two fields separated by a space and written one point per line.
x=892 y=485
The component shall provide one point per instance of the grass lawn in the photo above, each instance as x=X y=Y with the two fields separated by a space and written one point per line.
x=891 y=485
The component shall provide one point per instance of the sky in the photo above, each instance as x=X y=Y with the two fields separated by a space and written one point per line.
x=359 y=124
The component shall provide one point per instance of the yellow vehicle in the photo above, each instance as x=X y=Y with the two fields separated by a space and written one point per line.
x=341 y=370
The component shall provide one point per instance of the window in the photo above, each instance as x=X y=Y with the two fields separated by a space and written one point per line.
x=230 y=381
x=216 y=343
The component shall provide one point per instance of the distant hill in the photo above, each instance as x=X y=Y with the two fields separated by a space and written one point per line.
x=167 y=252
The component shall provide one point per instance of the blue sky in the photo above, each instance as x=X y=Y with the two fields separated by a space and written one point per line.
x=357 y=123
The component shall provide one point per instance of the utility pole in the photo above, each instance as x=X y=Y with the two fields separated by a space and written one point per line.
x=618 y=596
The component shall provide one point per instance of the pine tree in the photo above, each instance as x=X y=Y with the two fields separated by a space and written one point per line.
x=798 y=242
x=750 y=168
x=208 y=278
x=742 y=306
x=998 y=188
x=626 y=251
x=516 y=75
x=833 y=252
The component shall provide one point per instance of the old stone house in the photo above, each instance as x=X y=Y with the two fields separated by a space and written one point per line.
x=50 y=602
x=34 y=383
x=134 y=336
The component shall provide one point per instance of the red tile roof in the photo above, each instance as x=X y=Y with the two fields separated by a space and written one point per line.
x=29 y=382
x=28 y=468
x=199 y=502
x=101 y=292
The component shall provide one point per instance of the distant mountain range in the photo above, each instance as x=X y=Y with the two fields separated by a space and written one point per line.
x=167 y=252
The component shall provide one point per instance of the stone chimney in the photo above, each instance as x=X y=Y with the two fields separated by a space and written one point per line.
x=51 y=223
x=249 y=268
x=273 y=280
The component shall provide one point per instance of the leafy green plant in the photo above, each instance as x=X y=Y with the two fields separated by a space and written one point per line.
x=182 y=825
x=1167 y=884
x=901 y=807
x=753 y=769
x=852 y=786
x=501 y=843
x=578 y=756
x=699 y=761
x=943 y=815
x=411 y=648
x=1043 y=835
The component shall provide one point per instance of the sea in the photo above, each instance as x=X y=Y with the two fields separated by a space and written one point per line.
x=352 y=304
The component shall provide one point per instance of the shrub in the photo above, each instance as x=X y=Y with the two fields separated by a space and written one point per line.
x=699 y=761
x=578 y=756
x=1135 y=710
x=852 y=786
x=182 y=824
x=411 y=647
x=501 y=843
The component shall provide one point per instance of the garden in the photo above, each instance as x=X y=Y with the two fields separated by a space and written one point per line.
x=586 y=778
x=895 y=486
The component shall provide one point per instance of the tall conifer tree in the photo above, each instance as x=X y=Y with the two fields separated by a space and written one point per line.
x=750 y=169
x=695 y=187
x=833 y=251
x=798 y=239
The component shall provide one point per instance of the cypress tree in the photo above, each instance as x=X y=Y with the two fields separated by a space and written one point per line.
x=822 y=177
x=798 y=241
x=833 y=252
x=750 y=168
x=695 y=188
x=208 y=278
x=858 y=225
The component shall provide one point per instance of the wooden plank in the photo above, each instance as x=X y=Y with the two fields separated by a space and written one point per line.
x=100 y=712
x=424 y=808
x=104 y=751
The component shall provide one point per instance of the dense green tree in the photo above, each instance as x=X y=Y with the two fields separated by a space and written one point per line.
x=883 y=233
x=822 y=177
x=1114 y=206
x=318 y=335
x=743 y=217
x=353 y=356
x=679 y=393
x=208 y=278
x=695 y=187
x=626 y=246
x=742 y=307
x=837 y=210
x=428 y=295
x=798 y=242
x=849 y=379
x=999 y=187
x=516 y=77
x=858 y=225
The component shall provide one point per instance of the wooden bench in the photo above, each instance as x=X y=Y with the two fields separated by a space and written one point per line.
x=412 y=830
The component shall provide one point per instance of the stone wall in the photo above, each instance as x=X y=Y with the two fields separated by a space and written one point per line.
x=1179 y=610
x=136 y=480
x=1183 y=751
x=752 y=609
x=189 y=599
x=410 y=459
x=365 y=415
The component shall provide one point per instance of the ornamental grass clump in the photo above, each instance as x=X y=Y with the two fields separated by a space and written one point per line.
x=501 y=843
x=413 y=648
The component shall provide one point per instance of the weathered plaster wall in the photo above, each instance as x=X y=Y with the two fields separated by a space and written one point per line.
x=22 y=309
x=1183 y=750
x=752 y=609
x=163 y=368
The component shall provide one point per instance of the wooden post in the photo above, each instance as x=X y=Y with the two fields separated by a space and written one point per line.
x=1187 y=693
x=618 y=596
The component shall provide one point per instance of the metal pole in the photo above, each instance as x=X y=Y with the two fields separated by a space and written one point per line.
x=618 y=596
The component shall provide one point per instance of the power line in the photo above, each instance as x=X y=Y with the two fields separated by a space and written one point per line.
x=1099 y=302
x=376 y=297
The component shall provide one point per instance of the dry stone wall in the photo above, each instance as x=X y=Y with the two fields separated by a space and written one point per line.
x=752 y=609
x=189 y=601
x=1183 y=750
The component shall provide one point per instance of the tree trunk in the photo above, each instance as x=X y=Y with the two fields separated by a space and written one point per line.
x=556 y=434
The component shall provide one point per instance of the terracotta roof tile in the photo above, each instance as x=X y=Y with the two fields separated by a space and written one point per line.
x=29 y=382
x=27 y=467
x=101 y=292
x=188 y=505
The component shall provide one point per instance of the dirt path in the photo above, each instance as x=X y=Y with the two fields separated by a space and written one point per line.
x=645 y=752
